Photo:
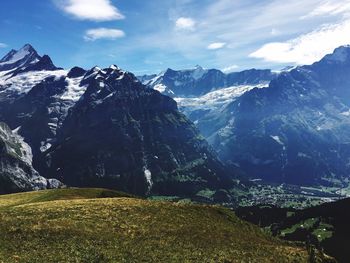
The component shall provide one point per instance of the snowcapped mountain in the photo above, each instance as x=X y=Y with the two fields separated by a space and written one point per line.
x=294 y=131
x=102 y=127
x=24 y=57
x=199 y=81
x=21 y=70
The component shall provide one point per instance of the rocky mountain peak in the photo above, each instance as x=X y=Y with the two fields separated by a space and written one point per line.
x=340 y=55
x=28 y=47
x=23 y=57
x=76 y=72
x=44 y=64
x=24 y=60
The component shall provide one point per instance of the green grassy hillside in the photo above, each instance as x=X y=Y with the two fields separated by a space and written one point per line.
x=95 y=225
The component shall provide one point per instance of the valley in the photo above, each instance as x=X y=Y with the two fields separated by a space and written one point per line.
x=324 y=226
x=290 y=195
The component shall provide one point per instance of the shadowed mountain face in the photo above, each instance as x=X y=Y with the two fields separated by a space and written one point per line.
x=102 y=127
x=294 y=131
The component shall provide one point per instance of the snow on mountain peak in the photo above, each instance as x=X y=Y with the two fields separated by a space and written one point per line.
x=198 y=72
x=16 y=59
x=114 y=67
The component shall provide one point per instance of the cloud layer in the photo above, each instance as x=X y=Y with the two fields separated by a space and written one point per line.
x=310 y=47
x=103 y=33
x=96 y=10
x=216 y=45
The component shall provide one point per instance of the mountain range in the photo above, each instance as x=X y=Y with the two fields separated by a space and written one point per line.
x=199 y=81
x=102 y=127
x=287 y=127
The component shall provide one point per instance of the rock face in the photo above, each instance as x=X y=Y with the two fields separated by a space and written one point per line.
x=103 y=128
x=198 y=81
x=16 y=171
x=294 y=131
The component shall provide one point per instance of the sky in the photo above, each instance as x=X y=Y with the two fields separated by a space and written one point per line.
x=148 y=36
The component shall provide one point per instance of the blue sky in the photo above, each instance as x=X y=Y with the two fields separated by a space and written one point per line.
x=147 y=36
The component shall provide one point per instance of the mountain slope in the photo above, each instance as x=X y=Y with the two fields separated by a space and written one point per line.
x=294 y=131
x=132 y=230
x=16 y=171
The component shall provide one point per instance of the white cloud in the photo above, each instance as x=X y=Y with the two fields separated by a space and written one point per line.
x=275 y=32
x=3 y=45
x=216 y=45
x=103 y=33
x=230 y=68
x=307 y=48
x=185 y=23
x=96 y=10
x=330 y=8
x=242 y=25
